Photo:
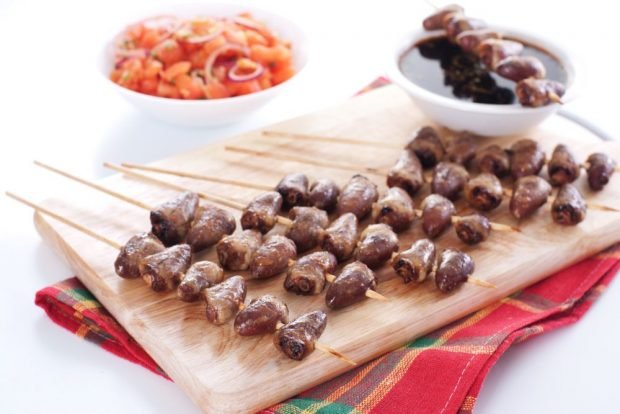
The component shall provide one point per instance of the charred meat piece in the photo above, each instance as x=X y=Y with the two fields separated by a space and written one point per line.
x=406 y=173
x=457 y=23
x=296 y=339
x=453 y=270
x=224 y=299
x=341 y=237
x=435 y=20
x=357 y=197
x=517 y=68
x=171 y=220
x=528 y=195
x=308 y=227
x=562 y=167
x=469 y=40
x=473 y=229
x=307 y=275
x=262 y=212
x=395 y=209
x=484 y=192
x=600 y=168
x=569 y=208
x=526 y=158
x=376 y=245
x=127 y=263
x=164 y=270
x=200 y=276
x=462 y=149
x=417 y=262
x=449 y=179
x=324 y=194
x=534 y=92
x=294 y=190
x=261 y=316
x=493 y=160
x=437 y=212
x=492 y=51
x=209 y=226
x=350 y=286
x=427 y=145
x=272 y=257
x=235 y=252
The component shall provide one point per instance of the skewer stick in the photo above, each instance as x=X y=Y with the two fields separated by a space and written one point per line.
x=327 y=349
x=303 y=160
x=601 y=207
x=555 y=98
x=203 y=177
x=94 y=185
x=480 y=282
x=64 y=220
x=210 y=197
x=320 y=138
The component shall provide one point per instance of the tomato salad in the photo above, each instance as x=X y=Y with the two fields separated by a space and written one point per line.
x=201 y=58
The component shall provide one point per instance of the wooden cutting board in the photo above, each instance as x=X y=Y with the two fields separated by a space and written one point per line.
x=225 y=373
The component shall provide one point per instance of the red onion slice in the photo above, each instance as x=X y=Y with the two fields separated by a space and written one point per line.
x=244 y=21
x=216 y=53
x=245 y=77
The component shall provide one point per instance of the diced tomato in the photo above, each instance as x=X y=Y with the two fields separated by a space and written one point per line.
x=216 y=90
x=173 y=67
x=188 y=87
x=176 y=69
x=169 y=52
x=167 y=90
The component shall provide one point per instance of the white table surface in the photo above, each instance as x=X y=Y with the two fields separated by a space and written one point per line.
x=55 y=107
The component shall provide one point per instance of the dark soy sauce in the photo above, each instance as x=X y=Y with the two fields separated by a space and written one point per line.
x=440 y=66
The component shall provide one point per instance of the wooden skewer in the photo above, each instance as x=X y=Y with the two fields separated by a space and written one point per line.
x=470 y=279
x=601 y=207
x=303 y=160
x=204 y=177
x=210 y=197
x=494 y=225
x=369 y=293
x=64 y=220
x=94 y=185
x=555 y=98
x=480 y=282
x=319 y=138
x=327 y=349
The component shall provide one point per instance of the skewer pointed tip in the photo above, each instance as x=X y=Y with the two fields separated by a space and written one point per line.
x=555 y=98
x=481 y=283
x=329 y=350
x=376 y=295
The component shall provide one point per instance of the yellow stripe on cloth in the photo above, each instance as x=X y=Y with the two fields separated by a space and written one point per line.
x=85 y=305
x=377 y=395
x=82 y=331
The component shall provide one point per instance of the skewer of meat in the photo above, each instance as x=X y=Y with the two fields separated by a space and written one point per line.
x=493 y=160
x=309 y=274
x=176 y=220
x=224 y=300
x=272 y=257
x=299 y=338
x=143 y=256
x=321 y=194
x=419 y=262
x=377 y=244
x=200 y=276
x=599 y=168
x=235 y=252
x=395 y=209
x=341 y=237
x=355 y=282
x=262 y=209
x=526 y=158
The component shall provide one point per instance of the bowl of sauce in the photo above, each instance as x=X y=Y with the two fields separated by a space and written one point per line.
x=456 y=90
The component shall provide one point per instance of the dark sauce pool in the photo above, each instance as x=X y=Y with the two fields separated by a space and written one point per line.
x=440 y=66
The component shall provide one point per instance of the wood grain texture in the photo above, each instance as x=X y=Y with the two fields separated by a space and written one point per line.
x=225 y=373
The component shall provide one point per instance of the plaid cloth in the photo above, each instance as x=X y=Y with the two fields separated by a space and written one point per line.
x=441 y=372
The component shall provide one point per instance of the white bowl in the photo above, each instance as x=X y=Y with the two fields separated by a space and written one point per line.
x=481 y=119
x=216 y=111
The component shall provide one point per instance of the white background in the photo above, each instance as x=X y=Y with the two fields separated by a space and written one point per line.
x=55 y=107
